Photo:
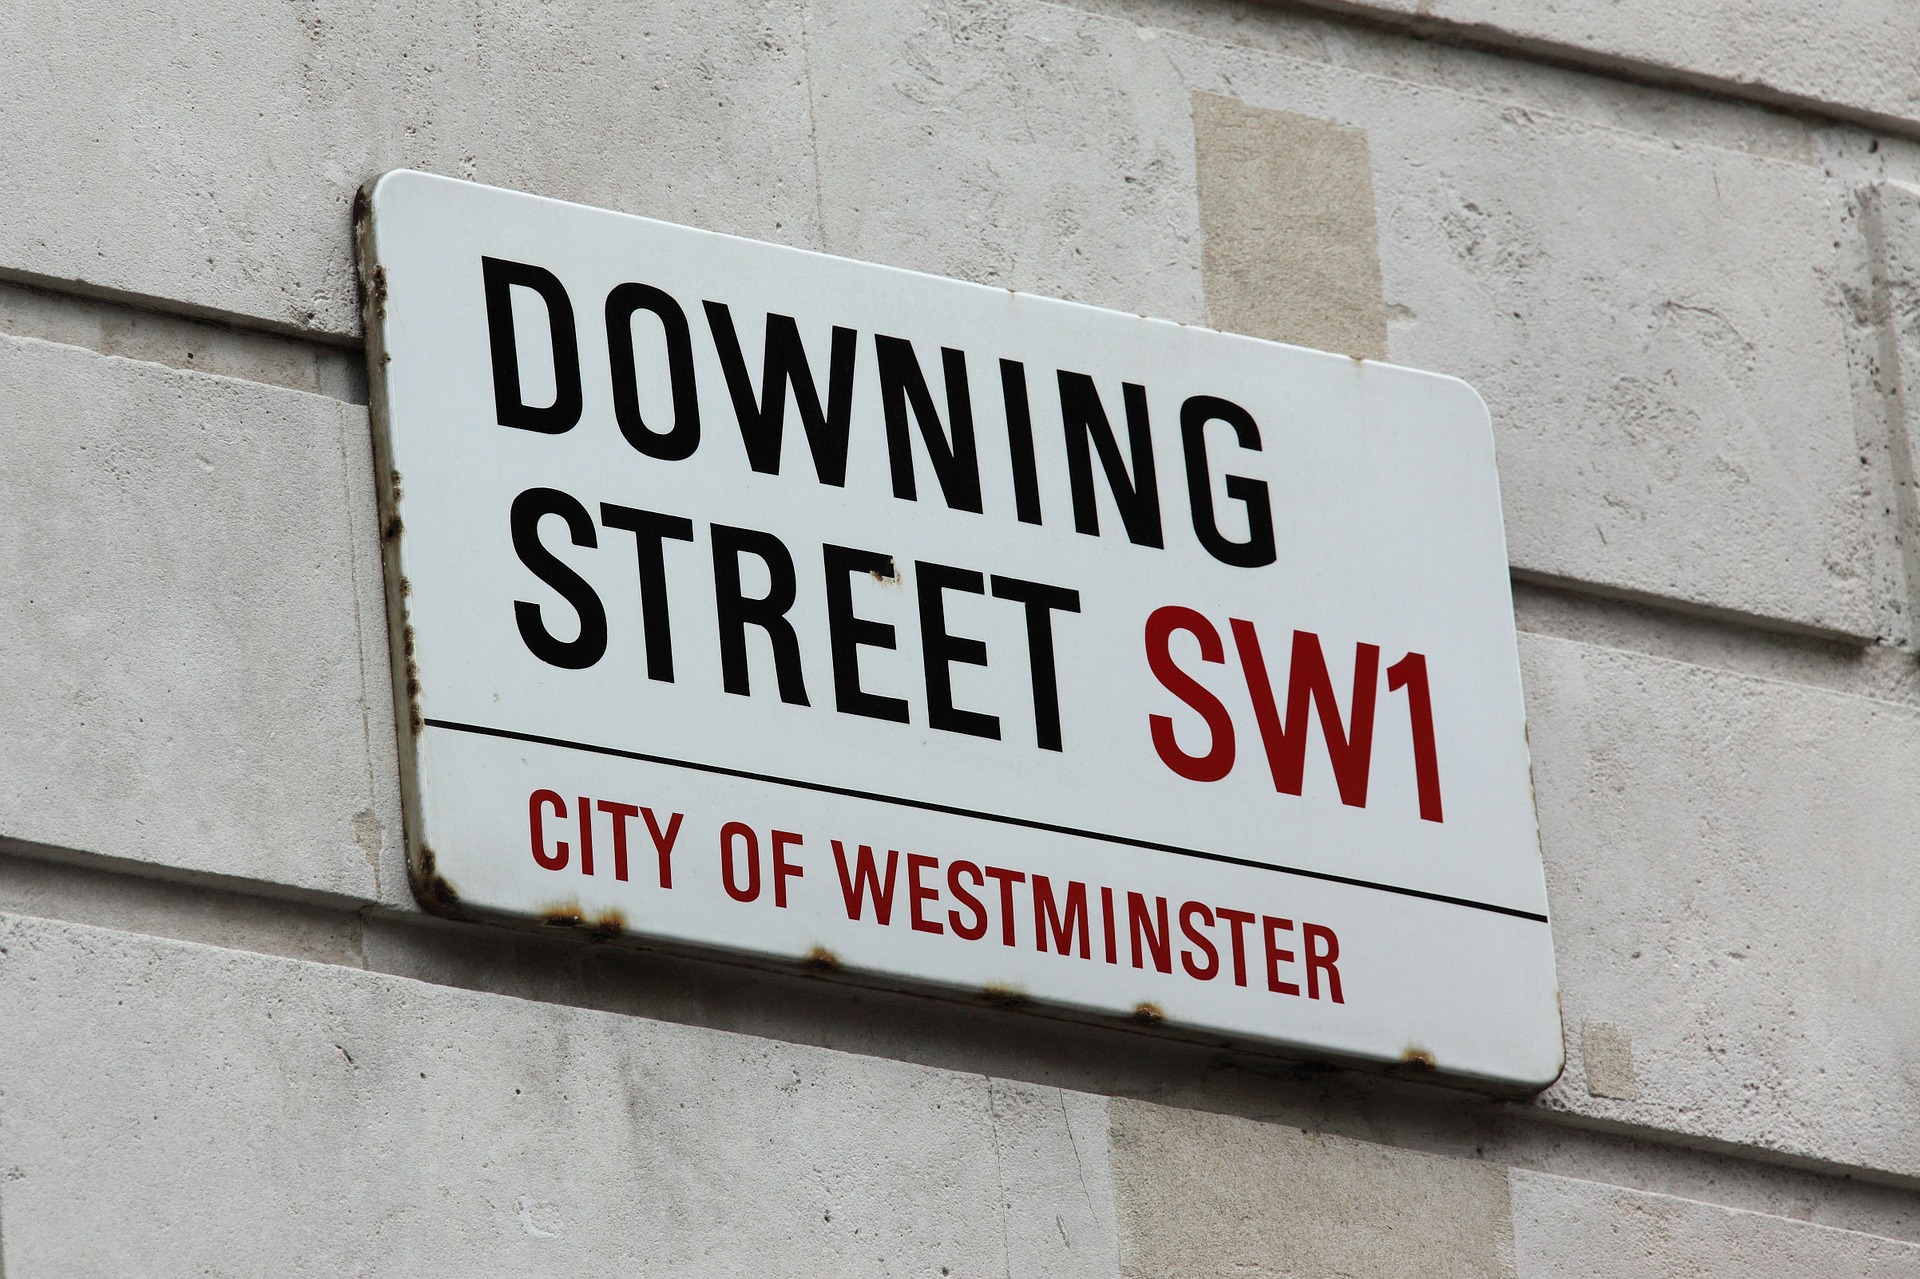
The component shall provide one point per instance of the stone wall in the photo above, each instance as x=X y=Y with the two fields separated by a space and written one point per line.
x=1679 y=255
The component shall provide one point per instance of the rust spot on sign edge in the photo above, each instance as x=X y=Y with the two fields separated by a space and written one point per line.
x=415 y=720
x=566 y=914
x=392 y=528
x=821 y=960
x=431 y=887
x=1414 y=1057
x=1149 y=1014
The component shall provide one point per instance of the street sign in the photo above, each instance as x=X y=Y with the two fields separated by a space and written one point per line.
x=752 y=600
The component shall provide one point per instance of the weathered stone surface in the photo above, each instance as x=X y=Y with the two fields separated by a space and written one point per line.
x=1729 y=866
x=1202 y=1194
x=209 y=154
x=1051 y=1149
x=201 y=346
x=1892 y=224
x=1568 y=1229
x=1674 y=408
x=1674 y=412
x=173 y=1109
x=1286 y=213
x=1853 y=56
x=1009 y=144
x=1651 y=290
x=196 y=645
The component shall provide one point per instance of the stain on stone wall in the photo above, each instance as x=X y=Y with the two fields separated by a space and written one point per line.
x=1289 y=250
x=1206 y=1194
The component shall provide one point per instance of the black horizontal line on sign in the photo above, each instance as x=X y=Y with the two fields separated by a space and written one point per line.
x=956 y=811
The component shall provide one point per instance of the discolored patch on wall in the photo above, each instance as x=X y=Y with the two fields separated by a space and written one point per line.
x=1607 y=1051
x=1202 y=1194
x=1289 y=247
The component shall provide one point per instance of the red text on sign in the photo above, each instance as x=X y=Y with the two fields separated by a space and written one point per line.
x=1285 y=728
x=1053 y=915
x=550 y=852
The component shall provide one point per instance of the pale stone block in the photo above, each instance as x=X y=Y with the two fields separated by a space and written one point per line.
x=1018 y=145
x=1203 y=1194
x=209 y=153
x=1656 y=323
x=196 y=667
x=1659 y=330
x=1892 y=224
x=235 y=915
x=174 y=1109
x=1658 y=326
x=1053 y=1165
x=1286 y=212
x=1569 y=1229
x=140 y=333
x=1730 y=872
x=1851 y=56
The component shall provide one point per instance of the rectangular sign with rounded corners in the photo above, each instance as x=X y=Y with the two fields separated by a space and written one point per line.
x=751 y=600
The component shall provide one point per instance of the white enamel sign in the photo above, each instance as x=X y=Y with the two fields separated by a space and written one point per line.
x=753 y=600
